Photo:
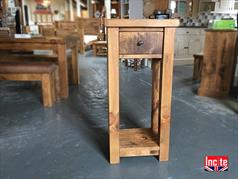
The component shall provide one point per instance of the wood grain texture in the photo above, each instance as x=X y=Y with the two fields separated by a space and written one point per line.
x=141 y=56
x=87 y=26
x=57 y=44
x=138 y=142
x=197 y=66
x=63 y=71
x=113 y=94
x=129 y=42
x=141 y=142
x=218 y=63
x=156 y=83
x=47 y=80
x=75 y=67
x=148 y=23
x=166 y=92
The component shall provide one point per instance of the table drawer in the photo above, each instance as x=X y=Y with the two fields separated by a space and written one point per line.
x=140 y=42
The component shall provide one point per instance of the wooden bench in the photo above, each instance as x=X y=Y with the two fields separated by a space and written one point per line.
x=45 y=72
x=197 y=66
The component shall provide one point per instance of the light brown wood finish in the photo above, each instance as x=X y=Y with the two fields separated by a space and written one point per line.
x=113 y=94
x=141 y=56
x=57 y=44
x=137 y=23
x=218 y=63
x=87 y=26
x=75 y=66
x=162 y=5
x=141 y=142
x=47 y=80
x=155 y=111
x=99 y=48
x=166 y=92
x=138 y=142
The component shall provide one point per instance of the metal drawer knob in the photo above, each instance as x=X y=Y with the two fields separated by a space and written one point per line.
x=140 y=43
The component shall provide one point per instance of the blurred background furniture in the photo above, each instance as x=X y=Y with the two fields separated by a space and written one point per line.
x=219 y=63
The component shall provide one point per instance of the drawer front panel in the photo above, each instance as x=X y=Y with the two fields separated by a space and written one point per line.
x=141 y=43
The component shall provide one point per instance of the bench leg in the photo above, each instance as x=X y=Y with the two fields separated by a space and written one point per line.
x=57 y=84
x=47 y=90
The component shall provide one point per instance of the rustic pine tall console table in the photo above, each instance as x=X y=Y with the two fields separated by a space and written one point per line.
x=152 y=39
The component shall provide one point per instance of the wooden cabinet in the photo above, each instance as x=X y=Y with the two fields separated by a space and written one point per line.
x=152 y=39
x=219 y=62
x=226 y=6
x=188 y=41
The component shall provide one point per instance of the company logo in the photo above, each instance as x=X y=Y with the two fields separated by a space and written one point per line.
x=216 y=163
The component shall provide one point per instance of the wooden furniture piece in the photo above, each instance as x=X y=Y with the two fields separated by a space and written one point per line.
x=47 y=30
x=219 y=63
x=64 y=28
x=59 y=46
x=46 y=73
x=88 y=26
x=197 y=66
x=99 y=48
x=141 y=39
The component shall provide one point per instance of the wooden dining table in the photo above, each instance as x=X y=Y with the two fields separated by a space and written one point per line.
x=58 y=45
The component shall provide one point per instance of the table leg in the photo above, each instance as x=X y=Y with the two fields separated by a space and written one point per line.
x=75 y=67
x=63 y=70
x=166 y=92
x=113 y=92
x=94 y=50
x=156 y=77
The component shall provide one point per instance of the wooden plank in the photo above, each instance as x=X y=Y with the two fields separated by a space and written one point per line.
x=141 y=23
x=113 y=92
x=138 y=142
x=166 y=92
x=141 y=56
x=47 y=90
x=63 y=70
x=156 y=78
x=140 y=29
x=26 y=46
x=75 y=67
x=21 y=77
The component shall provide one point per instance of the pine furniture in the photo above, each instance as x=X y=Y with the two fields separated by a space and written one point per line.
x=46 y=73
x=141 y=39
x=219 y=63
x=59 y=46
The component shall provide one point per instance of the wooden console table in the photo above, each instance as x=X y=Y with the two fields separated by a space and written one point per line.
x=219 y=62
x=141 y=39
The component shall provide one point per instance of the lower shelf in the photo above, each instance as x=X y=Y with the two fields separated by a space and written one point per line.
x=138 y=142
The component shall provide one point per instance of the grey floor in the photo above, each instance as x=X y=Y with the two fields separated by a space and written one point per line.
x=69 y=141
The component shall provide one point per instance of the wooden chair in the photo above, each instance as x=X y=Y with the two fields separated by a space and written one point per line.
x=46 y=73
x=47 y=30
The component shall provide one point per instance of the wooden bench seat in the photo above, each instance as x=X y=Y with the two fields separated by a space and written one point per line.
x=45 y=72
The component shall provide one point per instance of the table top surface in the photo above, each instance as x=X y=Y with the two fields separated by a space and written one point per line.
x=142 y=23
x=42 y=39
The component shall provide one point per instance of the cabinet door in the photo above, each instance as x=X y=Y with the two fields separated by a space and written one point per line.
x=195 y=45
x=182 y=46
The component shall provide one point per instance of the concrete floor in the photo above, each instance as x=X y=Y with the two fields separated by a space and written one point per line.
x=69 y=141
